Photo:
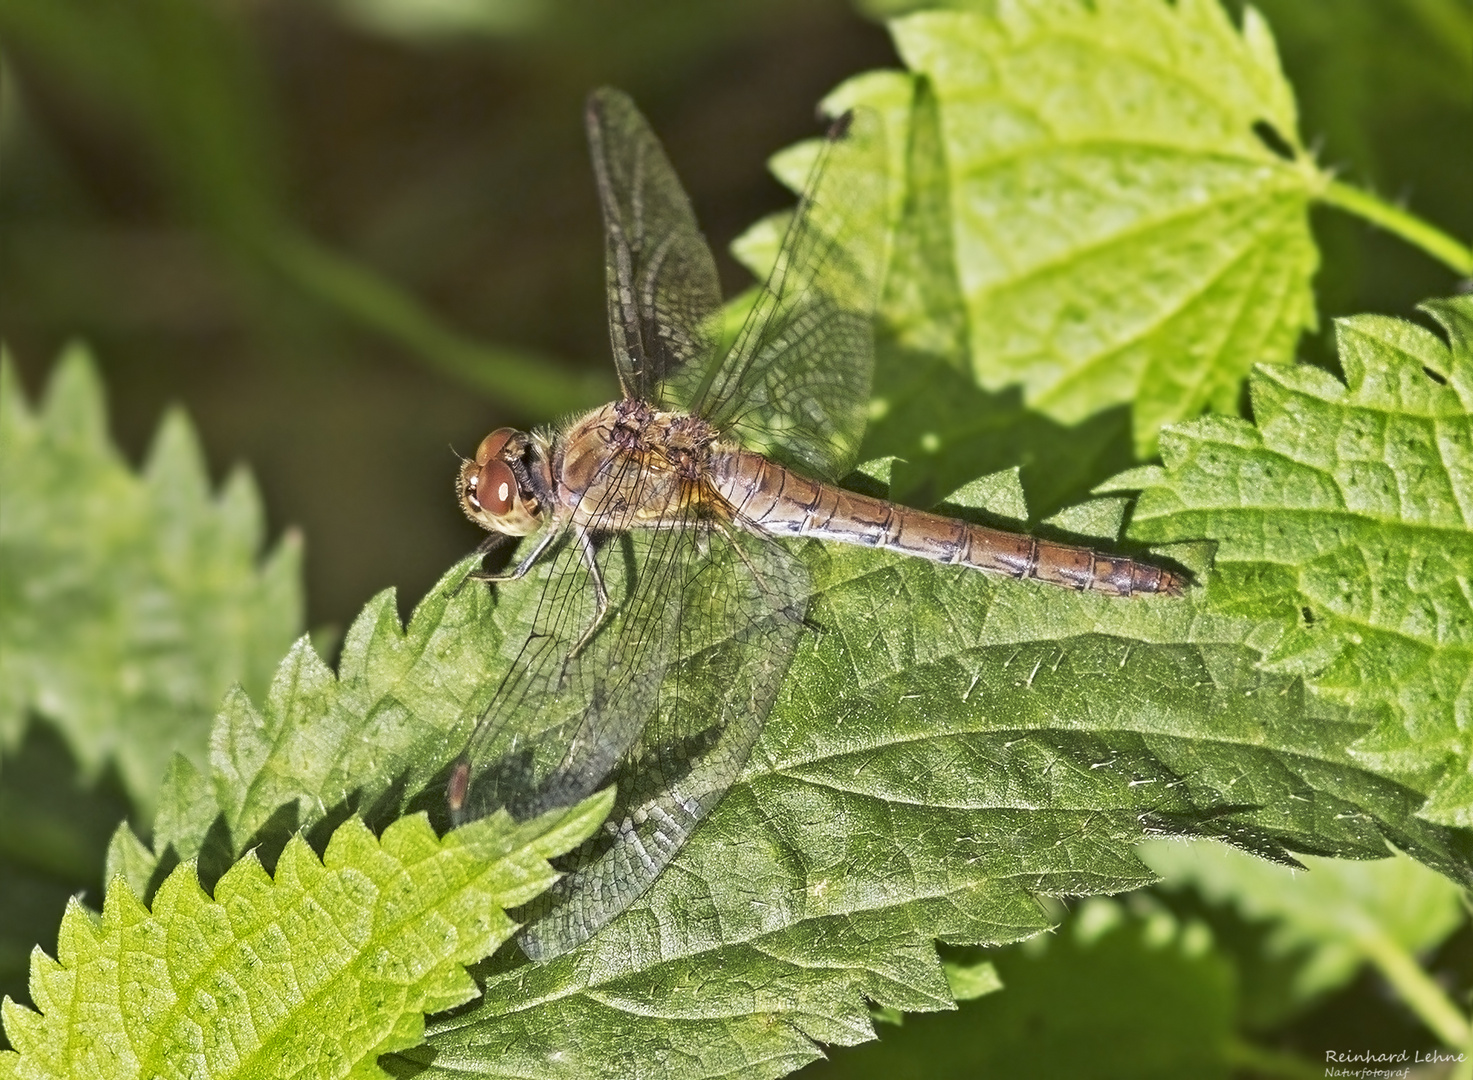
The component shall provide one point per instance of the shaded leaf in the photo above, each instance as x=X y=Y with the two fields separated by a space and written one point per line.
x=947 y=749
x=929 y=775
x=927 y=408
x=128 y=602
x=1108 y=151
x=1104 y=224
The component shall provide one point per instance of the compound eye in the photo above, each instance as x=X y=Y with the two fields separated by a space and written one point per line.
x=496 y=487
x=491 y=445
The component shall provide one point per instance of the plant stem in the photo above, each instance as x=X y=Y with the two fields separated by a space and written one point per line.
x=1423 y=996
x=1408 y=226
x=524 y=381
x=1463 y=1070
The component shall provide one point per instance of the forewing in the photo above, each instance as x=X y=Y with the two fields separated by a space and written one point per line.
x=738 y=620
x=663 y=291
x=665 y=701
x=557 y=723
x=795 y=384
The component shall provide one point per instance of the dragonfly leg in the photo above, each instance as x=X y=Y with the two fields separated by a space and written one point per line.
x=600 y=591
x=484 y=548
x=523 y=567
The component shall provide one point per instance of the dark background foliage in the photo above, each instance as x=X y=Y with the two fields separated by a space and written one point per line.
x=457 y=171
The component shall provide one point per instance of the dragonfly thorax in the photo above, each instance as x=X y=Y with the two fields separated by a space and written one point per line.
x=505 y=487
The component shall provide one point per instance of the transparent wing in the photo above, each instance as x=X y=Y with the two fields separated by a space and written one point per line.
x=666 y=700
x=737 y=627
x=663 y=292
x=795 y=384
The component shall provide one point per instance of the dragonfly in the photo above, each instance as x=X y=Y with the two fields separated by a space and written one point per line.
x=672 y=597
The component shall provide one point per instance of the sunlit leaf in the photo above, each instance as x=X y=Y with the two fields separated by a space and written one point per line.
x=313 y=971
x=1109 y=151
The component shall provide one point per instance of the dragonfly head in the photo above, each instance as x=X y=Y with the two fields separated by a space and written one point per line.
x=505 y=486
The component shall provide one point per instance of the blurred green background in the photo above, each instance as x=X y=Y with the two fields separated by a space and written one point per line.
x=350 y=236
x=320 y=227
x=165 y=164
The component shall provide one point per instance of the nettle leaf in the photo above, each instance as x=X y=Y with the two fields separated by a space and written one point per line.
x=1092 y=236
x=1144 y=155
x=1343 y=517
x=128 y=602
x=313 y=971
x=926 y=407
x=366 y=738
x=947 y=749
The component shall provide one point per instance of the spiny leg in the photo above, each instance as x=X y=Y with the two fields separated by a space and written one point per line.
x=484 y=548
x=549 y=534
x=600 y=591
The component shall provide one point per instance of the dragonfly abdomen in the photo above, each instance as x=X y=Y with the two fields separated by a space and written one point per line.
x=783 y=503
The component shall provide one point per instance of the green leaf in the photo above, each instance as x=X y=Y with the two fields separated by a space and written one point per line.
x=1092 y=238
x=314 y=971
x=1342 y=914
x=1108 y=151
x=128 y=602
x=947 y=750
x=927 y=408
x=400 y=706
x=969 y=980
x=1342 y=519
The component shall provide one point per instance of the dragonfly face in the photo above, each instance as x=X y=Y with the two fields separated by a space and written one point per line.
x=506 y=487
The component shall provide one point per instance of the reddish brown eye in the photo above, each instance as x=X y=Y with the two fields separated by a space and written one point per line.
x=491 y=445
x=496 y=488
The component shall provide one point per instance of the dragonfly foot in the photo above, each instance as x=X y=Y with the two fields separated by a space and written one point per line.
x=605 y=610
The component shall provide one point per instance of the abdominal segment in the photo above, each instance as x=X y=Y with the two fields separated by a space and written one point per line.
x=782 y=503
